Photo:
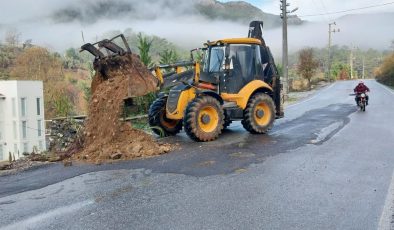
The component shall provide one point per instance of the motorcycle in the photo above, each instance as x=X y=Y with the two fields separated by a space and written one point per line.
x=362 y=101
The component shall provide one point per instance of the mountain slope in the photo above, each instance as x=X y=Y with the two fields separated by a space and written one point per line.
x=237 y=11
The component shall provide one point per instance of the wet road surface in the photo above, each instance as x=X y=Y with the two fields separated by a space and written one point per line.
x=326 y=165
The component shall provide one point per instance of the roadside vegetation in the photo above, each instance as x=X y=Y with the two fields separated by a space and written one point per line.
x=385 y=72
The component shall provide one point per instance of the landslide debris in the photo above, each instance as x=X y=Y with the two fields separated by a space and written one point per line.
x=106 y=137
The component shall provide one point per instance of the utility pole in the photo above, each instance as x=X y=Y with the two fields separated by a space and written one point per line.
x=351 y=63
x=285 y=58
x=330 y=30
x=83 y=37
x=283 y=15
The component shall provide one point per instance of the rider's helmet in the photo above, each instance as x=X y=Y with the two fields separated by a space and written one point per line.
x=361 y=83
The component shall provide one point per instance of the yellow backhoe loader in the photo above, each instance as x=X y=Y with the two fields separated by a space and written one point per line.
x=236 y=80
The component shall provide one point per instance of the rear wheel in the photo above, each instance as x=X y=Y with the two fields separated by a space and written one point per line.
x=159 y=123
x=259 y=114
x=204 y=118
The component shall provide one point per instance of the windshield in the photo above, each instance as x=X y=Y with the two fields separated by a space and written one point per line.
x=214 y=59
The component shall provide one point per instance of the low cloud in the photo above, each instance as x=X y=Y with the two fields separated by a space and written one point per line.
x=58 y=25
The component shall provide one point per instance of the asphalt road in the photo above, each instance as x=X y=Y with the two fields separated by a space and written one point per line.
x=326 y=165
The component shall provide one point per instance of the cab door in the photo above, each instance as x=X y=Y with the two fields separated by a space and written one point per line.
x=243 y=67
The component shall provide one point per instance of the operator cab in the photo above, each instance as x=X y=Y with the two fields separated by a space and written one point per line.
x=232 y=63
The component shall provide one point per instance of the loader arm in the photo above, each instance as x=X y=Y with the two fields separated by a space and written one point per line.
x=173 y=74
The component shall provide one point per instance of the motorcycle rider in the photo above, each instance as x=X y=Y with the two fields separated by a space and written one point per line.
x=361 y=88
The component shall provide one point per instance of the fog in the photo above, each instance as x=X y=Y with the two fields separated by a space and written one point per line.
x=58 y=25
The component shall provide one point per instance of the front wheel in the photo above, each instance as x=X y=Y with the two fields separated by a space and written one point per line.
x=259 y=114
x=159 y=123
x=363 y=106
x=204 y=118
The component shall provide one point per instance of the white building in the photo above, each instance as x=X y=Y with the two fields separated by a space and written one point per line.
x=21 y=118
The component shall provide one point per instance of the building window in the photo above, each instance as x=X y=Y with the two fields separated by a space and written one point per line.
x=38 y=106
x=1 y=152
x=15 y=128
x=40 y=145
x=23 y=106
x=13 y=107
x=25 y=148
x=24 y=129
x=39 y=132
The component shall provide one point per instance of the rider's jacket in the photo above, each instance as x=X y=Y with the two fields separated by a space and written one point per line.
x=361 y=88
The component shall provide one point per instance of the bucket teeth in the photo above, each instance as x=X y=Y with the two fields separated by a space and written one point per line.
x=111 y=46
x=93 y=50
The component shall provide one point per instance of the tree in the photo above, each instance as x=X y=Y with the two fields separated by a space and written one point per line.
x=392 y=44
x=87 y=90
x=168 y=56
x=12 y=37
x=37 y=63
x=340 y=71
x=385 y=72
x=144 y=47
x=62 y=104
x=72 y=59
x=307 y=65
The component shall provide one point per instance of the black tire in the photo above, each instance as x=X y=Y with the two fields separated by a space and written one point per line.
x=259 y=114
x=204 y=118
x=159 y=123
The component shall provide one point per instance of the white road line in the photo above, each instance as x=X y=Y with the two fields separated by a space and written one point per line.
x=386 y=88
x=388 y=209
x=34 y=220
x=313 y=97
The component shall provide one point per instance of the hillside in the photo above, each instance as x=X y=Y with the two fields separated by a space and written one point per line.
x=239 y=11
x=235 y=11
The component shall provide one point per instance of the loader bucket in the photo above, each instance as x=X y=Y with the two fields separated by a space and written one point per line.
x=116 y=63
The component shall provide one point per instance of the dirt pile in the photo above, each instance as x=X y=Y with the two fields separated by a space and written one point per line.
x=106 y=137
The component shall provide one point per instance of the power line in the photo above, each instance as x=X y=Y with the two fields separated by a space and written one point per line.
x=325 y=9
x=315 y=5
x=348 y=10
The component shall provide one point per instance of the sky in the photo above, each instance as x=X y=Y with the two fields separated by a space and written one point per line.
x=58 y=24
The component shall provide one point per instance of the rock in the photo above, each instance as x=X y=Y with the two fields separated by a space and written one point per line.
x=137 y=148
x=116 y=156
x=38 y=157
x=165 y=148
x=5 y=165
x=54 y=158
x=98 y=162
x=67 y=163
